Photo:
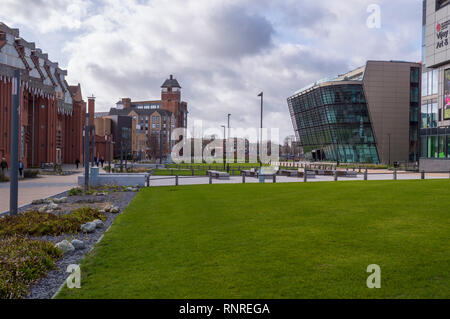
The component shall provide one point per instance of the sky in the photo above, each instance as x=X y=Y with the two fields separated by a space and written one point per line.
x=223 y=53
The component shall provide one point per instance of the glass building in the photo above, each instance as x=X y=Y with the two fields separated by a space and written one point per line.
x=369 y=115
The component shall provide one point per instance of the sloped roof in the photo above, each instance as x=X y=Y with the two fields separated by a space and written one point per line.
x=171 y=83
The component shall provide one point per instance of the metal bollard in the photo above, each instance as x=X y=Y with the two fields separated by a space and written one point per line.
x=365 y=175
x=335 y=176
x=274 y=178
x=243 y=178
x=305 y=176
x=176 y=180
x=210 y=179
x=422 y=175
x=359 y=169
x=395 y=174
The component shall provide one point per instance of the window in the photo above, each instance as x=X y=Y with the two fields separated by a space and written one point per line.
x=424 y=84
x=441 y=3
x=435 y=81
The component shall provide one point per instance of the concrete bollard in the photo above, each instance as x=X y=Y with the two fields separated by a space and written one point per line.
x=243 y=178
x=210 y=179
x=305 y=176
x=422 y=175
x=274 y=178
x=395 y=174
x=192 y=172
x=335 y=176
x=176 y=180
x=365 y=174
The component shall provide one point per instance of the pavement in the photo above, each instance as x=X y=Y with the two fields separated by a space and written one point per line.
x=156 y=181
x=37 y=188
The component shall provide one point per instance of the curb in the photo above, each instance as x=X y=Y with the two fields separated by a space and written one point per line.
x=29 y=205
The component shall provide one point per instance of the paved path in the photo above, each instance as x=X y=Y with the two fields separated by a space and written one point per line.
x=42 y=187
x=170 y=180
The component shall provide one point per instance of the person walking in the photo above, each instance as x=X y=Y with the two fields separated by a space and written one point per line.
x=4 y=165
x=102 y=161
x=77 y=162
x=20 y=168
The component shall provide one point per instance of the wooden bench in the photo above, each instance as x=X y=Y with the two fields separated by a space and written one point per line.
x=249 y=172
x=219 y=175
x=287 y=172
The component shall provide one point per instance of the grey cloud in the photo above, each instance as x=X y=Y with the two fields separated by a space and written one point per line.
x=239 y=33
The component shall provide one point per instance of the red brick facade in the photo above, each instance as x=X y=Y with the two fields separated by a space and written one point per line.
x=52 y=114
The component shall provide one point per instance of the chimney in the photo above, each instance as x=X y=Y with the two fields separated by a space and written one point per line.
x=91 y=108
x=171 y=77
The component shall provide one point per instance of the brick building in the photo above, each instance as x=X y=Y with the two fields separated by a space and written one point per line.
x=52 y=113
x=153 y=120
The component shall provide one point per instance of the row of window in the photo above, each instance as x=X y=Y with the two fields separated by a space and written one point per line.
x=338 y=94
x=435 y=146
x=430 y=82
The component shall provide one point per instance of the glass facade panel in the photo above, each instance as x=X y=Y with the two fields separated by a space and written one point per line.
x=333 y=124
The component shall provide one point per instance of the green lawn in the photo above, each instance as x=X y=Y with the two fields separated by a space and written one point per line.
x=311 y=240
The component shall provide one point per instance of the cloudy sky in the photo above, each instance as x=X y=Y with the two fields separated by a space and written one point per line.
x=222 y=52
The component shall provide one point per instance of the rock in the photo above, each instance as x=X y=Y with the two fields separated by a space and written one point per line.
x=78 y=244
x=88 y=227
x=102 y=211
x=53 y=206
x=63 y=200
x=135 y=190
x=114 y=210
x=65 y=246
x=129 y=189
x=98 y=223
x=37 y=202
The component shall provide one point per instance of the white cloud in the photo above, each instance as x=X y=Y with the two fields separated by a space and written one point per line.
x=222 y=53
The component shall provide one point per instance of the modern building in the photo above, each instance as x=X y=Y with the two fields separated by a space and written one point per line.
x=368 y=115
x=154 y=120
x=52 y=113
x=435 y=109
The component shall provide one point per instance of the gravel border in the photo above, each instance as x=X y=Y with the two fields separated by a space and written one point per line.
x=48 y=286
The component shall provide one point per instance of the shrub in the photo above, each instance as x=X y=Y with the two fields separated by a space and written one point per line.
x=22 y=262
x=3 y=178
x=76 y=192
x=38 y=224
x=30 y=173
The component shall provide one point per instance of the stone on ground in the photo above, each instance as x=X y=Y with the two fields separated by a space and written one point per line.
x=65 y=246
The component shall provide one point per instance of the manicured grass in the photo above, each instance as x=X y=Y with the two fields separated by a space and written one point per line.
x=311 y=240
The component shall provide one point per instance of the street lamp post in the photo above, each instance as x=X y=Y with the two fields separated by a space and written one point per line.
x=224 y=144
x=86 y=153
x=109 y=152
x=14 y=159
x=389 y=137
x=260 y=133
x=228 y=139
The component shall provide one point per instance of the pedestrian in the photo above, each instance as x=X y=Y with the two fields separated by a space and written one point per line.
x=102 y=161
x=20 y=168
x=77 y=162
x=4 y=165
